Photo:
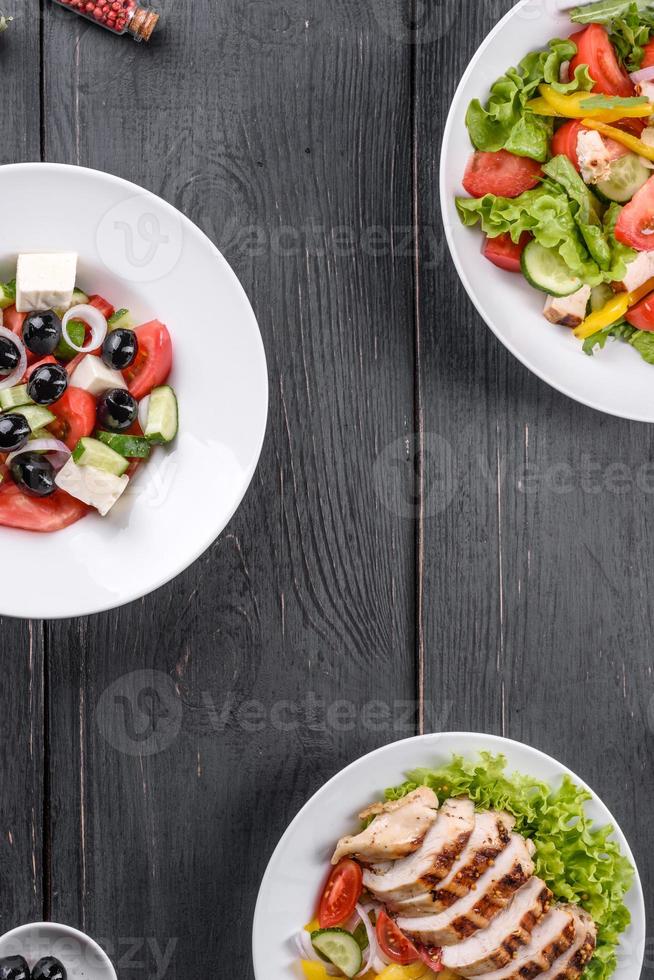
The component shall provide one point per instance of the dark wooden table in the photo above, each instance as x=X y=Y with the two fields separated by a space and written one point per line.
x=433 y=540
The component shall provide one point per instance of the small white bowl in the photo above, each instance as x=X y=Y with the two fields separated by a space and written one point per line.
x=615 y=380
x=81 y=955
x=291 y=884
x=139 y=252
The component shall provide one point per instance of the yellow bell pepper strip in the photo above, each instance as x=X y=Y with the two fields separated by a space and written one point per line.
x=572 y=107
x=541 y=107
x=312 y=926
x=631 y=142
x=314 y=971
x=614 y=310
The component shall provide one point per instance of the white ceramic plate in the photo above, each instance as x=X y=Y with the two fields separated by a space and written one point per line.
x=297 y=869
x=141 y=253
x=615 y=380
x=81 y=955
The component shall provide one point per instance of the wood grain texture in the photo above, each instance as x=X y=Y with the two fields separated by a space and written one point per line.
x=21 y=643
x=285 y=133
x=536 y=569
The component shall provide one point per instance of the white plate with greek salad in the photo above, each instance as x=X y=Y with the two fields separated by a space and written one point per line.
x=547 y=190
x=133 y=391
x=452 y=855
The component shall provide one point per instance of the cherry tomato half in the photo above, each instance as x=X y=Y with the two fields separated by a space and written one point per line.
x=393 y=943
x=341 y=894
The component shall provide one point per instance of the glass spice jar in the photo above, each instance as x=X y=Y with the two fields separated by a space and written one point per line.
x=118 y=16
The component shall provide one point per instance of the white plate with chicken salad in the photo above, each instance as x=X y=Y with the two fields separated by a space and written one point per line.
x=452 y=855
x=547 y=188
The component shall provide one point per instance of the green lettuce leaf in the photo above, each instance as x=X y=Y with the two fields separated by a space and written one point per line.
x=585 y=208
x=581 y=863
x=643 y=342
x=631 y=26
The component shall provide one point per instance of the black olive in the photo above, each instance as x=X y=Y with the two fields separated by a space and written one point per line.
x=34 y=473
x=9 y=357
x=14 y=968
x=117 y=409
x=49 y=968
x=47 y=384
x=14 y=432
x=42 y=332
x=119 y=349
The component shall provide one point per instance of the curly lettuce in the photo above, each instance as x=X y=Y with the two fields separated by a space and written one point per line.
x=630 y=25
x=581 y=863
x=505 y=123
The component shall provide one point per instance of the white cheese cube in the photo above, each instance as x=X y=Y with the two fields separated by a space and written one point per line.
x=45 y=281
x=568 y=311
x=92 y=486
x=94 y=376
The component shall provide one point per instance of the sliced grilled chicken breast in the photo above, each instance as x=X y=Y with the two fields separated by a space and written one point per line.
x=443 y=843
x=493 y=948
x=572 y=964
x=475 y=911
x=550 y=939
x=491 y=834
x=398 y=828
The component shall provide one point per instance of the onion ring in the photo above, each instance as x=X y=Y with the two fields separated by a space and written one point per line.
x=92 y=316
x=51 y=447
x=307 y=952
x=18 y=372
x=644 y=75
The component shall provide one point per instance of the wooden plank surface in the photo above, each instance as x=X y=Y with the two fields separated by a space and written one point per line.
x=288 y=649
x=536 y=563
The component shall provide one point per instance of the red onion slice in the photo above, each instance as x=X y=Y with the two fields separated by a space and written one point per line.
x=17 y=374
x=644 y=75
x=96 y=321
x=57 y=452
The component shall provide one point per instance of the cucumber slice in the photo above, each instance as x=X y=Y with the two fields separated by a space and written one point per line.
x=13 y=397
x=544 y=269
x=41 y=434
x=600 y=296
x=77 y=332
x=79 y=298
x=340 y=948
x=120 y=318
x=7 y=294
x=628 y=175
x=37 y=416
x=163 y=419
x=92 y=452
x=132 y=447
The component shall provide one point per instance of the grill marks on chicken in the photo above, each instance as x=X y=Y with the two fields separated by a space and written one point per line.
x=550 y=939
x=398 y=829
x=572 y=964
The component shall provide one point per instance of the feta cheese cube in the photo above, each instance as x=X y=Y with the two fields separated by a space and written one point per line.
x=94 y=376
x=45 y=281
x=92 y=486
x=568 y=311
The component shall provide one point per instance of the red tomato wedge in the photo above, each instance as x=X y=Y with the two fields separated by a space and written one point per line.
x=565 y=141
x=503 y=251
x=103 y=305
x=594 y=49
x=648 y=60
x=500 y=173
x=635 y=225
x=340 y=895
x=431 y=955
x=393 y=943
x=18 y=509
x=153 y=361
x=642 y=314
x=76 y=416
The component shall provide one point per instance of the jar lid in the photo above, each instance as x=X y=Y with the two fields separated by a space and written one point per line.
x=143 y=23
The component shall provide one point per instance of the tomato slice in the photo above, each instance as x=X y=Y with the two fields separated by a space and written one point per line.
x=635 y=226
x=103 y=305
x=431 y=955
x=393 y=943
x=500 y=173
x=18 y=509
x=594 y=49
x=648 y=60
x=76 y=415
x=341 y=894
x=642 y=314
x=566 y=139
x=153 y=361
x=503 y=251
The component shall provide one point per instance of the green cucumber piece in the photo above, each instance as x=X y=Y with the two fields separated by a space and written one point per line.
x=92 y=452
x=14 y=397
x=544 y=269
x=628 y=175
x=340 y=948
x=77 y=333
x=163 y=417
x=38 y=417
x=7 y=294
x=132 y=447
x=79 y=298
x=120 y=318
x=41 y=434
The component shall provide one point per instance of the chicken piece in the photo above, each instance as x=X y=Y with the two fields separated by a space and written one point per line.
x=595 y=157
x=491 y=835
x=572 y=964
x=442 y=845
x=398 y=828
x=568 y=311
x=493 y=892
x=550 y=939
x=495 y=947
x=638 y=272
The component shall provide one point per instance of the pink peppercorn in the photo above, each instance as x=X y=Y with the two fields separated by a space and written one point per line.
x=119 y=16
